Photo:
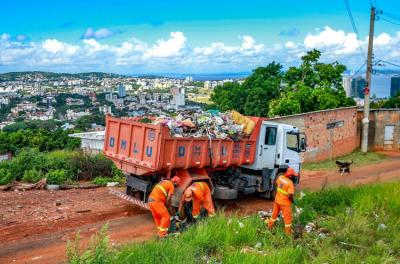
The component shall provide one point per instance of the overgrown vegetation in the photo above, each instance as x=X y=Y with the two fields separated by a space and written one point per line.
x=269 y=91
x=31 y=165
x=359 y=158
x=45 y=136
x=361 y=225
x=392 y=102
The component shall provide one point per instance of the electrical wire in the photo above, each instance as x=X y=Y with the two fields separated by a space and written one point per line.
x=359 y=69
x=389 y=21
x=353 y=25
x=391 y=63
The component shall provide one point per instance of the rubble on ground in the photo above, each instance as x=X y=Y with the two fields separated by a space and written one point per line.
x=212 y=124
x=264 y=214
x=21 y=186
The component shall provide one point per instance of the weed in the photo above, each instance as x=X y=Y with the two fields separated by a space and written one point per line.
x=362 y=225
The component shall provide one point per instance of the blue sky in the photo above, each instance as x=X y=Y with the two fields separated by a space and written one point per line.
x=186 y=36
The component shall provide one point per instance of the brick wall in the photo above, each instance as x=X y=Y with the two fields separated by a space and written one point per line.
x=379 y=119
x=330 y=133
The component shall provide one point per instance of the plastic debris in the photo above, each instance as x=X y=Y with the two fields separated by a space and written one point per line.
x=241 y=225
x=212 y=124
x=264 y=214
x=382 y=227
x=310 y=227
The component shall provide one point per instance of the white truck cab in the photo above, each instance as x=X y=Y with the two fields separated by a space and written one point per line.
x=278 y=148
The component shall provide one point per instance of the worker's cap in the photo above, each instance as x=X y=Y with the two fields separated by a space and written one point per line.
x=291 y=172
x=176 y=180
x=188 y=195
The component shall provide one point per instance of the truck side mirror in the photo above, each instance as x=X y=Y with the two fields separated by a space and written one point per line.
x=303 y=144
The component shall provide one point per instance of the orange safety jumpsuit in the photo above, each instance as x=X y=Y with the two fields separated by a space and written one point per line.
x=157 y=203
x=285 y=187
x=201 y=197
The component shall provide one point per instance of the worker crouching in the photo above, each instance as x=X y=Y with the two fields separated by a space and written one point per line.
x=199 y=194
x=283 y=200
x=160 y=201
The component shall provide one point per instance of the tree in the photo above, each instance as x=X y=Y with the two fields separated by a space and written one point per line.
x=254 y=95
x=313 y=86
x=268 y=91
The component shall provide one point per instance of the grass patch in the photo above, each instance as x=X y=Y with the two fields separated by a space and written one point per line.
x=362 y=224
x=359 y=158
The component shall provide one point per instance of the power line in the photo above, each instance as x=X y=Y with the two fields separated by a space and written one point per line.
x=390 y=21
x=391 y=63
x=359 y=69
x=353 y=24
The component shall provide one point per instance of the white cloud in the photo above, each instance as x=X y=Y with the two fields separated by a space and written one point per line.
x=290 y=45
x=175 y=54
x=382 y=39
x=167 y=48
x=100 y=33
x=55 y=46
x=327 y=37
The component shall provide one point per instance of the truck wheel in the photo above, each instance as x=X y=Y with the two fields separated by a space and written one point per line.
x=224 y=193
x=128 y=190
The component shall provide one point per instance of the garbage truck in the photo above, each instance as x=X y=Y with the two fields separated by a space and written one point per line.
x=147 y=152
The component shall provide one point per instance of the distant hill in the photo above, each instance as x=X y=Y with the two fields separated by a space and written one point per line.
x=13 y=76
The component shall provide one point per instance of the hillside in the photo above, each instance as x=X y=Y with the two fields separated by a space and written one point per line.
x=343 y=225
x=14 y=76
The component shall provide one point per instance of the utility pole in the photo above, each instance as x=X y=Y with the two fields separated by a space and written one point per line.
x=365 y=121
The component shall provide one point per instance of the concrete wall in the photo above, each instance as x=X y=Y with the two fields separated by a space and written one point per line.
x=330 y=133
x=379 y=119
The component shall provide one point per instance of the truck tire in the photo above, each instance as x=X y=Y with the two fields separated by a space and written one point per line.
x=224 y=193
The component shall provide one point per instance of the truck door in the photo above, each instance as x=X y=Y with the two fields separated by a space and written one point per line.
x=267 y=151
x=291 y=149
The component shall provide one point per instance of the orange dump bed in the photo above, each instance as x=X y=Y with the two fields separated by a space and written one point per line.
x=141 y=148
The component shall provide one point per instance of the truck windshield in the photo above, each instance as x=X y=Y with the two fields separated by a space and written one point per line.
x=292 y=141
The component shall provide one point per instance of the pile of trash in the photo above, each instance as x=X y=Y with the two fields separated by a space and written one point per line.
x=212 y=124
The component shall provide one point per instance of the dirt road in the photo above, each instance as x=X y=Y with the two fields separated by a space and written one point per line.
x=35 y=229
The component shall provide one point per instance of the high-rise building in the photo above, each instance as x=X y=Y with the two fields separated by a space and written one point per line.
x=394 y=85
x=357 y=87
x=121 y=91
x=178 y=96
x=347 y=85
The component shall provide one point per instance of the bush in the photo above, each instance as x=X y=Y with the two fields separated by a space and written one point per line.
x=5 y=176
x=32 y=176
x=27 y=159
x=57 y=176
x=103 y=180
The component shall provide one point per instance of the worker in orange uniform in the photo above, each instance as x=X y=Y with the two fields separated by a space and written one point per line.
x=160 y=201
x=283 y=200
x=200 y=195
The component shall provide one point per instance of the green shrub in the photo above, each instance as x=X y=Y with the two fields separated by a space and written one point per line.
x=32 y=176
x=98 y=252
x=5 y=176
x=56 y=176
x=101 y=181
x=60 y=160
x=27 y=159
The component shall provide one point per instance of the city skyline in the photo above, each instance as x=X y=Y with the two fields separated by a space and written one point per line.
x=176 y=37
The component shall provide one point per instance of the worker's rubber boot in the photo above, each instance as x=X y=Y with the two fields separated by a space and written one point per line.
x=288 y=230
x=172 y=226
